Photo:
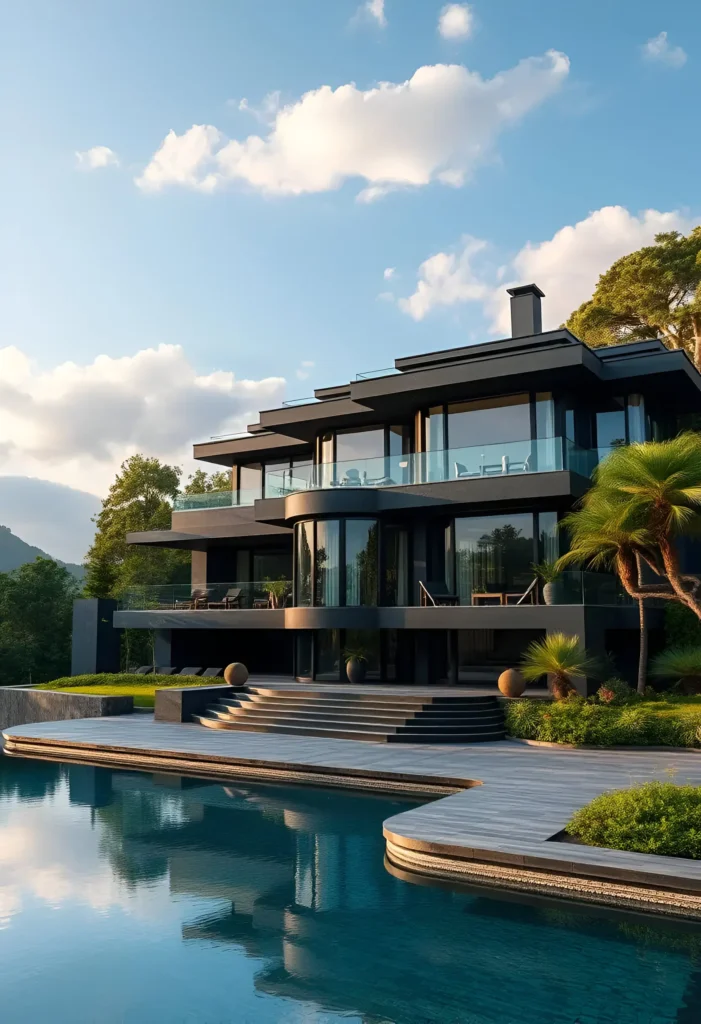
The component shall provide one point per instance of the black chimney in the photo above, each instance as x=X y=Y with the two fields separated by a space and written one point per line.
x=526 y=317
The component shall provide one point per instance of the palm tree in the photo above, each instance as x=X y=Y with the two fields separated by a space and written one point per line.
x=559 y=656
x=657 y=487
x=682 y=664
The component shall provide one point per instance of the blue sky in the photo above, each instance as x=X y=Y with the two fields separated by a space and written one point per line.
x=258 y=281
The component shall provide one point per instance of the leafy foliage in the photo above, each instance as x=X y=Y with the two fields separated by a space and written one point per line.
x=559 y=656
x=139 y=499
x=679 y=663
x=655 y=291
x=36 y=614
x=655 y=817
x=670 y=722
x=682 y=628
x=201 y=482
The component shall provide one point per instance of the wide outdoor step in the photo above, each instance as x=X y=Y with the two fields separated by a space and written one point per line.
x=386 y=715
x=373 y=725
x=398 y=706
x=372 y=696
x=367 y=736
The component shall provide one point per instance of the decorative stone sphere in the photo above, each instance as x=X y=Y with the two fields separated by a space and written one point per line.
x=236 y=674
x=511 y=683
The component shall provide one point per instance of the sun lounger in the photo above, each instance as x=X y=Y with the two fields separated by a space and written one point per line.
x=212 y=673
x=144 y=670
x=165 y=670
x=191 y=670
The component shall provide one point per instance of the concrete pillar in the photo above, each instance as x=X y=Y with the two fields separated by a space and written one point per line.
x=420 y=557
x=161 y=647
x=199 y=569
x=95 y=643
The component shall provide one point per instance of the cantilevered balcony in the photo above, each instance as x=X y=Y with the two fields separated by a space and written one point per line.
x=506 y=459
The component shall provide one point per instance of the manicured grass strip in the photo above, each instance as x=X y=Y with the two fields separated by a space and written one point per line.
x=668 y=722
x=655 y=817
x=125 y=684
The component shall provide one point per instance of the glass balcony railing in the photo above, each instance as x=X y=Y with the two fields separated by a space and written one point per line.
x=213 y=499
x=508 y=458
x=572 y=588
x=259 y=594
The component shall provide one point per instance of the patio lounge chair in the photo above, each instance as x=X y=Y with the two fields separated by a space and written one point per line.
x=165 y=670
x=198 y=599
x=191 y=670
x=144 y=670
x=212 y=673
x=231 y=599
x=436 y=595
x=529 y=596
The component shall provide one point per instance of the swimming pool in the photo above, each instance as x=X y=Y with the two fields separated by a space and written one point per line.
x=132 y=898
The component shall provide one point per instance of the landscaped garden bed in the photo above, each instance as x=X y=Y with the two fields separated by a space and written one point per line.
x=126 y=684
x=666 y=721
x=655 y=817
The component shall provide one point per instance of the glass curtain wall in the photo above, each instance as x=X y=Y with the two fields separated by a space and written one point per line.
x=493 y=557
x=361 y=561
x=304 y=547
x=327 y=563
x=396 y=553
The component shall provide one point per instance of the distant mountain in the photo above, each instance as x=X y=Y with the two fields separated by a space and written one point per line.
x=15 y=552
x=51 y=516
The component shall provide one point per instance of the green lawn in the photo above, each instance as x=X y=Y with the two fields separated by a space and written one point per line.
x=141 y=688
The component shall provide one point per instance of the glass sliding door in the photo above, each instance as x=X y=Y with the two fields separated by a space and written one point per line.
x=548 y=536
x=361 y=561
x=304 y=548
x=493 y=557
x=327 y=563
x=396 y=547
x=327 y=643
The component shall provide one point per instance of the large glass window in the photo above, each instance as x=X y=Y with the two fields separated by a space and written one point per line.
x=611 y=427
x=493 y=557
x=251 y=479
x=327 y=563
x=357 y=445
x=304 y=546
x=637 y=422
x=361 y=561
x=489 y=421
x=368 y=641
x=396 y=546
x=549 y=536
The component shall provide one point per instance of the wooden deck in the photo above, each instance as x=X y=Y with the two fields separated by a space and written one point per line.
x=506 y=800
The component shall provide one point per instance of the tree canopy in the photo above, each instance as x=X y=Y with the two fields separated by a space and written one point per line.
x=654 y=292
x=201 y=482
x=36 y=611
x=139 y=499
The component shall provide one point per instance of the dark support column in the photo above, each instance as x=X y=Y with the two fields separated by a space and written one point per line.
x=161 y=647
x=453 y=657
x=420 y=557
x=199 y=569
x=96 y=643
x=421 y=658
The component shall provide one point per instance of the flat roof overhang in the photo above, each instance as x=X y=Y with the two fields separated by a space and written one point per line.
x=268 y=445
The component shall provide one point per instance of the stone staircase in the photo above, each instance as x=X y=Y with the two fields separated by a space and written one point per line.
x=374 y=717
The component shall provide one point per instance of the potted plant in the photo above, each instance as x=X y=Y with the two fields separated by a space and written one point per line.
x=551 y=578
x=277 y=591
x=356 y=660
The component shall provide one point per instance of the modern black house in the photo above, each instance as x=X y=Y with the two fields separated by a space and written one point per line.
x=403 y=513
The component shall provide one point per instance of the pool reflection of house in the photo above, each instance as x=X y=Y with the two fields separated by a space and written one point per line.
x=403 y=511
x=306 y=893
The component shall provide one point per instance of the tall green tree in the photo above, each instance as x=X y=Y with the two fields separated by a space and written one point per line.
x=201 y=482
x=653 y=292
x=36 y=612
x=140 y=499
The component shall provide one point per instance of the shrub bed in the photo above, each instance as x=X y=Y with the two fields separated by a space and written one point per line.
x=141 y=688
x=655 y=817
x=669 y=722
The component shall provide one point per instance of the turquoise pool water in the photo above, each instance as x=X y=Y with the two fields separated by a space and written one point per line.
x=129 y=898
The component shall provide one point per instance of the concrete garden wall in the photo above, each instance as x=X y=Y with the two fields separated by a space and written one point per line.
x=22 y=706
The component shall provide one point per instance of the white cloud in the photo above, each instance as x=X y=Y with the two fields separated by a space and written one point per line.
x=95 y=158
x=389 y=273
x=456 y=21
x=75 y=424
x=659 y=49
x=437 y=126
x=446 y=279
x=371 y=11
x=304 y=367
x=566 y=266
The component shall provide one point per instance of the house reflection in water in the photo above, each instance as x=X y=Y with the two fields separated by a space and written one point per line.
x=295 y=879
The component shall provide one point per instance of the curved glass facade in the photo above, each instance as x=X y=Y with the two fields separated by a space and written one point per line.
x=336 y=562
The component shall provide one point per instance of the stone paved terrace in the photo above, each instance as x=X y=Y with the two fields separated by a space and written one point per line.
x=500 y=806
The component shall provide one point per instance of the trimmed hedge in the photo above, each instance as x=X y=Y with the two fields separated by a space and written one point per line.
x=655 y=817
x=117 y=680
x=664 y=723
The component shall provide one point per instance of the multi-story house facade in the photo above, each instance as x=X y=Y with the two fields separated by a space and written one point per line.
x=403 y=512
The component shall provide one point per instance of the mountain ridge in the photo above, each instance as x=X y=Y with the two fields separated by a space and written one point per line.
x=15 y=552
